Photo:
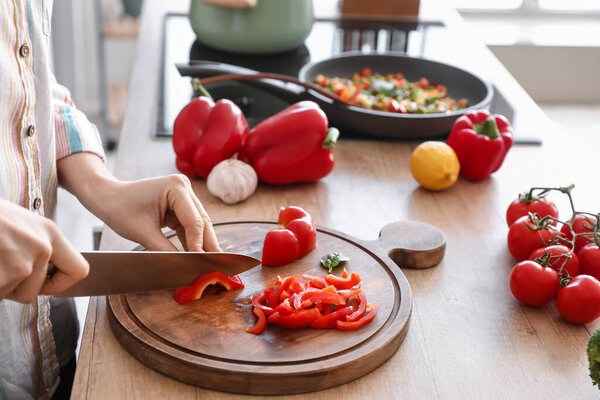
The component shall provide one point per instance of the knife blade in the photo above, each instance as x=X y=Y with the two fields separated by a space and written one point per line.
x=140 y=271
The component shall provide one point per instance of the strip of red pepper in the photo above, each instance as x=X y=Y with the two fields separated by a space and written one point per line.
x=480 y=141
x=293 y=145
x=206 y=133
x=193 y=292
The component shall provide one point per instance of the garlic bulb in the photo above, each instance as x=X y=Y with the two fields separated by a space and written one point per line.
x=232 y=181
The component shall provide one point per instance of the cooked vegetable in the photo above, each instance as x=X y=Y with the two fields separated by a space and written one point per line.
x=392 y=93
x=332 y=260
x=298 y=237
x=232 y=181
x=293 y=145
x=481 y=141
x=593 y=353
x=316 y=301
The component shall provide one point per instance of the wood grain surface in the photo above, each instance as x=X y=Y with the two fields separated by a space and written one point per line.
x=468 y=338
x=205 y=343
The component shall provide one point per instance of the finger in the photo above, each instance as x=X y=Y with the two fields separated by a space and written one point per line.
x=28 y=289
x=181 y=235
x=155 y=240
x=70 y=264
x=181 y=203
x=210 y=243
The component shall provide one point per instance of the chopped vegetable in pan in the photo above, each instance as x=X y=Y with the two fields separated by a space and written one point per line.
x=392 y=93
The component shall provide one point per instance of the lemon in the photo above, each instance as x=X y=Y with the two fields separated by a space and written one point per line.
x=434 y=165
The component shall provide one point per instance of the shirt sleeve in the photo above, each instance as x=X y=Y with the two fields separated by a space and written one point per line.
x=74 y=132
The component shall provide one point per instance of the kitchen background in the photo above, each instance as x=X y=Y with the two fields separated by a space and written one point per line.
x=551 y=47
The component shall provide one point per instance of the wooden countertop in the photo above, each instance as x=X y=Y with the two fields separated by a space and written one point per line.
x=468 y=338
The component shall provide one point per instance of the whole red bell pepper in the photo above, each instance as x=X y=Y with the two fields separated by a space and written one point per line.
x=293 y=145
x=206 y=133
x=480 y=141
x=298 y=237
x=193 y=292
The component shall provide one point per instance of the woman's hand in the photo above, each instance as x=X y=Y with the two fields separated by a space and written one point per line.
x=137 y=210
x=27 y=243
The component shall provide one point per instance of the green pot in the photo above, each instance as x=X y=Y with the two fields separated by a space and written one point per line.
x=272 y=26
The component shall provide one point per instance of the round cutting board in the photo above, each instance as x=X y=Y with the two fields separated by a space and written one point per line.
x=205 y=342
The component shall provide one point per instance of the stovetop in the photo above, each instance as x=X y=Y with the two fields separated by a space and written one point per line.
x=328 y=37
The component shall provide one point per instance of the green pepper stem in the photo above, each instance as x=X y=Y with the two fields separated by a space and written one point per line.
x=488 y=128
x=333 y=135
x=200 y=90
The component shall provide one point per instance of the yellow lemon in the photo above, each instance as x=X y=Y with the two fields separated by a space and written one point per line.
x=434 y=165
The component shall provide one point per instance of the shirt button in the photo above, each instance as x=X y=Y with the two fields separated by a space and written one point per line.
x=31 y=130
x=24 y=50
x=37 y=203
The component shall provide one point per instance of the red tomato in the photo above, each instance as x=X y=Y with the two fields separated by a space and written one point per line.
x=558 y=258
x=579 y=301
x=581 y=224
x=533 y=284
x=589 y=260
x=281 y=247
x=518 y=208
x=524 y=237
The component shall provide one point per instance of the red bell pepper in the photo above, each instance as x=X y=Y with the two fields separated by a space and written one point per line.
x=261 y=324
x=362 y=307
x=343 y=283
x=293 y=145
x=193 y=292
x=206 y=133
x=298 y=237
x=299 y=319
x=348 y=325
x=330 y=320
x=480 y=141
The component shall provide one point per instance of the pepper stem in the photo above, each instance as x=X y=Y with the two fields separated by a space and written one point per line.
x=200 y=90
x=488 y=128
x=332 y=137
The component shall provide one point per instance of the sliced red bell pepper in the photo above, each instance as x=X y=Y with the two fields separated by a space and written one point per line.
x=327 y=298
x=284 y=308
x=271 y=297
x=206 y=133
x=293 y=145
x=193 y=292
x=348 y=325
x=300 y=299
x=362 y=307
x=261 y=324
x=480 y=141
x=329 y=320
x=349 y=293
x=298 y=237
x=299 y=319
x=316 y=281
x=343 y=283
x=257 y=300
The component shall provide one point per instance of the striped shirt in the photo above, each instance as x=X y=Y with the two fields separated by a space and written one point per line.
x=38 y=126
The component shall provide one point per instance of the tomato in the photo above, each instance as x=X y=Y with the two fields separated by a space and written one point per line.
x=579 y=301
x=524 y=237
x=581 y=224
x=533 y=284
x=589 y=260
x=519 y=208
x=557 y=258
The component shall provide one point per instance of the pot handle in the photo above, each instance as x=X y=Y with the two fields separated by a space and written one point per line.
x=232 y=3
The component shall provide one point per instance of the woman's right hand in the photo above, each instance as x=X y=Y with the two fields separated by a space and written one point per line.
x=27 y=243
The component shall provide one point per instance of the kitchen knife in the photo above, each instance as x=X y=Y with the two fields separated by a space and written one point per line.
x=140 y=271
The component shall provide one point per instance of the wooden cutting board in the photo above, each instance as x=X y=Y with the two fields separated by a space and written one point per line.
x=205 y=342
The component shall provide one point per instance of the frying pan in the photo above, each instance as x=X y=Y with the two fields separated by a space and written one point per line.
x=362 y=121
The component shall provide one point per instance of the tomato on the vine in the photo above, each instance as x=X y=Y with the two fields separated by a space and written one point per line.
x=533 y=284
x=589 y=260
x=525 y=236
x=579 y=301
x=559 y=257
x=525 y=204
x=581 y=224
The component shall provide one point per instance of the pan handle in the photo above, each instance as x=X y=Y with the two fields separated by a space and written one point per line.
x=285 y=91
